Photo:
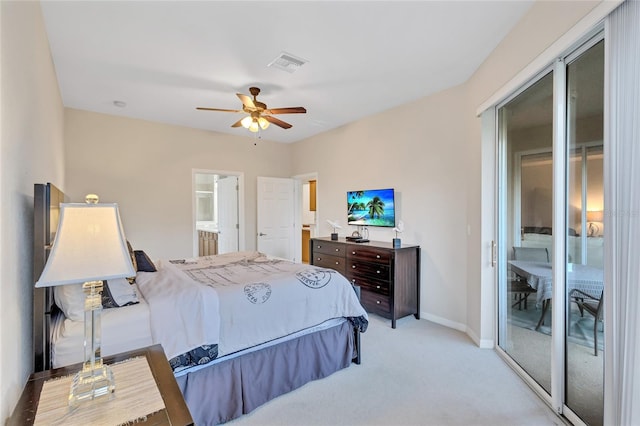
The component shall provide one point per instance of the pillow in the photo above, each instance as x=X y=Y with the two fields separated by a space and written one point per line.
x=144 y=263
x=70 y=299
x=117 y=293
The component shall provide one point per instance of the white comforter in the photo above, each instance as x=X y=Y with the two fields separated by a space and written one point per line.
x=240 y=300
x=183 y=313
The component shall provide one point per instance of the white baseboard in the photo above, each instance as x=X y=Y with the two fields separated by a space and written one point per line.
x=443 y=321
x=482 y=343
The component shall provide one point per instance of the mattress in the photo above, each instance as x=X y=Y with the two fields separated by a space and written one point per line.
x=123 y=329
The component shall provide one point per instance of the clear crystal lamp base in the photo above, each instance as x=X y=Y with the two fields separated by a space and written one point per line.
x=91 y=383
x=95 y=380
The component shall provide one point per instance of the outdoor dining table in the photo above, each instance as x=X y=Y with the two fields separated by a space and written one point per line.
x=585 y=278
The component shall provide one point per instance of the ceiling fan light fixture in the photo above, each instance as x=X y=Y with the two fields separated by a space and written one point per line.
x=254 y=121
x=246 y=122
x=254 y=126
x=263 y=123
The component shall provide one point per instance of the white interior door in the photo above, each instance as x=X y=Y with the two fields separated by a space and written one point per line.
x=276 y=219
x=227 y=192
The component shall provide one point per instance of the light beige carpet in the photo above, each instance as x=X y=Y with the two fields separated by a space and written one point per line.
x=418 y=374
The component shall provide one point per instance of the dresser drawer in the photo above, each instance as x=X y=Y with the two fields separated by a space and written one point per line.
x=381 y=287
x=369 y=254
x=375 y=303
x=373 y=270
x=329 y=261
x=336 y=249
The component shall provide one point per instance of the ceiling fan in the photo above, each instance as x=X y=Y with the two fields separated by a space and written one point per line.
x=259 y=115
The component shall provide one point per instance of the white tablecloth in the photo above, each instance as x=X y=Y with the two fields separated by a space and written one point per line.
x=539 y=276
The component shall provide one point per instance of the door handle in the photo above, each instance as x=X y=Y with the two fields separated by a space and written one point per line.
x=493 y=254
x=261 y=234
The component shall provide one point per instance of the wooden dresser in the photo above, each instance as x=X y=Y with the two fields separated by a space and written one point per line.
x=389 y=277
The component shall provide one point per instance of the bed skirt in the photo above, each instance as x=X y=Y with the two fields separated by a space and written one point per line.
x=228 y=389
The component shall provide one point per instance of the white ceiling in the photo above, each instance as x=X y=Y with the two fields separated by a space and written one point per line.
x=165 y=58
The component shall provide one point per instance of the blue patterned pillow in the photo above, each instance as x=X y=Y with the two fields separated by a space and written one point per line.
x=117 y=293
x=144 y=263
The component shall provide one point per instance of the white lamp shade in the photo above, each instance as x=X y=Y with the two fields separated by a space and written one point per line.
x=595 y=215
x=89 y=246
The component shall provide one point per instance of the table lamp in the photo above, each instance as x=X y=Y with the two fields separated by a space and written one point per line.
x=594 y=216
x=89 y=247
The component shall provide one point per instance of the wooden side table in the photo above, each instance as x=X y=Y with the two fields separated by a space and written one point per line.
x=174 y=413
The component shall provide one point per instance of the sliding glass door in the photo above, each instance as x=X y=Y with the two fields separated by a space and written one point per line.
x=550 y=236
x=526 y=140
x=585 y=234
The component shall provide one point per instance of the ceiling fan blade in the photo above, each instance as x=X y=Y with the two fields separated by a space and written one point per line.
x=288 y=110
x=237 y=123
x=277 y=122
x=246 y=100
x=218 y=109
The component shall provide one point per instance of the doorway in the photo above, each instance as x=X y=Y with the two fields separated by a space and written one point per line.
x=217 y=207
x=308 y=201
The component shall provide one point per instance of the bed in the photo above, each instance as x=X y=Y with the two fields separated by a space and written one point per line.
x=542 y=237
x=254 y=327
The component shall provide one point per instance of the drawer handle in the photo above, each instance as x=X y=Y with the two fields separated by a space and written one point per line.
x=353 y=252
x=319 y=258
x=377 y=286
x=353 y=280
x=337 y=263
x=377 y=256
x=354 y=266
x=337 y=249
x=377 y=302
x=377 y=272
x=319 y=246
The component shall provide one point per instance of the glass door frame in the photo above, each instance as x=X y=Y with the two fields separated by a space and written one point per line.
x=502 y=233
x=563 y=315
x=561 y=132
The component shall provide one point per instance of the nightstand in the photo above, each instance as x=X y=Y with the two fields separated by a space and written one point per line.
x=174 y=413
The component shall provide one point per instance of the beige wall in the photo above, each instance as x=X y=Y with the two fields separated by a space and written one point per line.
x=147 y=168
x=31 y=152
x=422 y=163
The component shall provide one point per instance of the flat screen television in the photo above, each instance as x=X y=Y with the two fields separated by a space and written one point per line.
x=371 y=207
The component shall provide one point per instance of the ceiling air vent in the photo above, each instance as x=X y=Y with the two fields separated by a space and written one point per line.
x=287 y=62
